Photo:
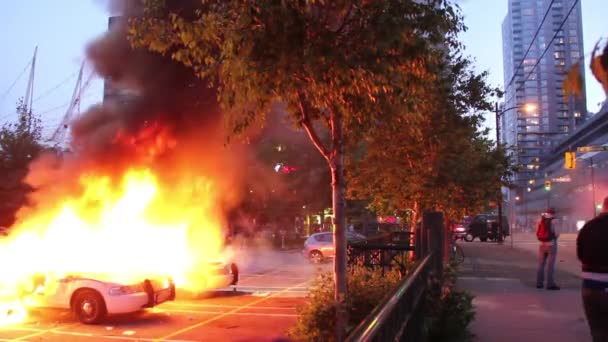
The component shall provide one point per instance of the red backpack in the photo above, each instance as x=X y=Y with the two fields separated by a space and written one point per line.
x=543 y=230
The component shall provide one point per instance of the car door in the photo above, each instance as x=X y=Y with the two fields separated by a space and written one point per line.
x=58 y=292
x=327 y=246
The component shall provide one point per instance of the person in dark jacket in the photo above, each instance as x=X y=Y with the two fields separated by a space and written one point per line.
x=592 y=251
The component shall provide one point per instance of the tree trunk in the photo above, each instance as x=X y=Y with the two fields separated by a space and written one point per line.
x=335 y=160
x=416 y=230
x=338 y=187
x=340 y=244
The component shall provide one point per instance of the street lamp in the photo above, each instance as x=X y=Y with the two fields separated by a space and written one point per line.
x=527 y=108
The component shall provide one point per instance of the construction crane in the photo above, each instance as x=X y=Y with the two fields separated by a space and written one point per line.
x=60 y=134
x=29 y=91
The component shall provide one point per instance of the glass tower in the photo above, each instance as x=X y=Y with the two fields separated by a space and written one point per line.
x=537 y=79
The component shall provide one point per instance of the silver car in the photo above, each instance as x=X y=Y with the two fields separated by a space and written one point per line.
x=320 y=246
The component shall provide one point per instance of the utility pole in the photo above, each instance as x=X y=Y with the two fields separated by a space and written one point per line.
x=499 y=203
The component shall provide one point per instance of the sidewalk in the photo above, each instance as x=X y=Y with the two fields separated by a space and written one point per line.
x=509 y=307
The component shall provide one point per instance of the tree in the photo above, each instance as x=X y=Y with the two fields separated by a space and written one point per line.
x=19 y=144
x=20 y=141
x=349 y=64
x=443 y=160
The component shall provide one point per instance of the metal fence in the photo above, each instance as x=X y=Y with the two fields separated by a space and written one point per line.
x=384 y=252
x=400 y=316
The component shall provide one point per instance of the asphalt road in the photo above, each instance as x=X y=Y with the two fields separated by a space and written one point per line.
x=261 y=308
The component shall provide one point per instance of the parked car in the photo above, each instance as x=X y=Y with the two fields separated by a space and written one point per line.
x=320 y=246
x=485 y=227
x=91 y=298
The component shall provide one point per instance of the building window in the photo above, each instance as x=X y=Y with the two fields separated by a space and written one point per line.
x=532 y=128
x=532 y=121
x=527 y=11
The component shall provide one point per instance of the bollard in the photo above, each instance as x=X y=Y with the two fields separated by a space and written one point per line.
x=432 y=222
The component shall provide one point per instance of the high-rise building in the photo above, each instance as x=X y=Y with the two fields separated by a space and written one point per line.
x=536 y=114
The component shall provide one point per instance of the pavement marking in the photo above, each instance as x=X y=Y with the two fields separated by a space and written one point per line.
x=199 y=324
x=229 y=306
x=91 y=335
x=43 y=331
x=232 y=314
x=274 y=276
x=292 y=288
x=141 y=339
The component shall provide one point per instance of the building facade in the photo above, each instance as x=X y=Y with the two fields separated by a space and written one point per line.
x=534 y=79
x=577 y=193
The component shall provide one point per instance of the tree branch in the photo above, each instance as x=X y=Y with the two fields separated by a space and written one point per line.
x=345 y=19
x=312 y=134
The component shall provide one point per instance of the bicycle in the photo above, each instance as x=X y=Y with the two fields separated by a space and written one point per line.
x=456 y=253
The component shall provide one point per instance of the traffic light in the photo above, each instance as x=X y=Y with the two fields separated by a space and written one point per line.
x=548 y=185
x=570 y=160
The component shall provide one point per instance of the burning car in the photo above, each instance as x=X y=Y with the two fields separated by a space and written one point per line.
x=91 y=298
x=209 y=275
x=106 y=272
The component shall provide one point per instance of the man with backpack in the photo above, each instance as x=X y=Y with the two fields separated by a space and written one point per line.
x=592 y=251
x=546 y=234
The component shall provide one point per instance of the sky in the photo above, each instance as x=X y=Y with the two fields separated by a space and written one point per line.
x=61 y=29
x=483 y=40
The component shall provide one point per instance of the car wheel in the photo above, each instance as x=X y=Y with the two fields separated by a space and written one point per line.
x=316 y=257
x=89 y=307
x=469 y=237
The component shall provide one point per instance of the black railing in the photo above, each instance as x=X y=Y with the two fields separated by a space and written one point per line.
x=377 y=255
x=400 y=316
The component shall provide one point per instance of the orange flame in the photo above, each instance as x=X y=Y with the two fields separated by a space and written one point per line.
x=126 y=231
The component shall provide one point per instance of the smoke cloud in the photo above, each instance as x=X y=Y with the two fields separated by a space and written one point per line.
x=156 y=114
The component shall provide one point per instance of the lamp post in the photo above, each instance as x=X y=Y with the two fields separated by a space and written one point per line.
x=528 y=107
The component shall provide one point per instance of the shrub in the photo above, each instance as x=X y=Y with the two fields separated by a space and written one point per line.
x=366 y=289
x=450 y=311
